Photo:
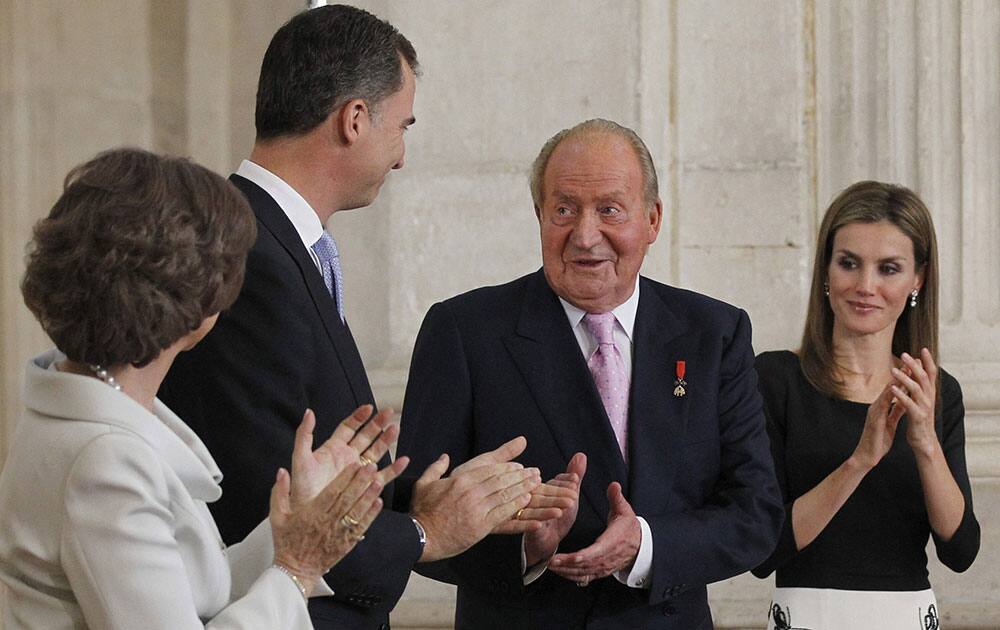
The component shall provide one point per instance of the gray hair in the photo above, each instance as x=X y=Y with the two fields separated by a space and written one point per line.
x=594 y=126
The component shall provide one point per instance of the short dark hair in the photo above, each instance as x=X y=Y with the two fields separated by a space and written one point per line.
x=137 y=252
x=323 y=58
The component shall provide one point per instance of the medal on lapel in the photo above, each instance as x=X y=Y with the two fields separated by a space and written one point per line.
x=679 y=382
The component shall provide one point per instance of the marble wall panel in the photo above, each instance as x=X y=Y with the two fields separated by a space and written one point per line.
x=500 y=78
x=765 y=281
x=736 y=106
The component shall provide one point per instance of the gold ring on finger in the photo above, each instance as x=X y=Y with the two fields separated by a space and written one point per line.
x=349 y=521
x=364 y=460
x=517 y=516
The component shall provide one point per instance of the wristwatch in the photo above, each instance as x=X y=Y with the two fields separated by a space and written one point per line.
x=420 y=533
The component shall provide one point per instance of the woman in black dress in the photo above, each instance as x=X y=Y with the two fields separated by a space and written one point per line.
x=867 y=433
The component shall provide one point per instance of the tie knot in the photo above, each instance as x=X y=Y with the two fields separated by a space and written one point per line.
x=601 y=326
x=326 y=248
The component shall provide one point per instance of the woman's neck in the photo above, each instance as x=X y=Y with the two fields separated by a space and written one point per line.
x=139 y=384
x=863 y=363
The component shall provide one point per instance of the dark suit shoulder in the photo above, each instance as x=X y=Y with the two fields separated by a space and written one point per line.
x=698 y=309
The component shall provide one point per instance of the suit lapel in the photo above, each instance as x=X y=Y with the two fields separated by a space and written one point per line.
x=273 y=218
x=549 y=359
x=657 y=418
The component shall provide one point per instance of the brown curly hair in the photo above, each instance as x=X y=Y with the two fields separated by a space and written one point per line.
x=137 y=252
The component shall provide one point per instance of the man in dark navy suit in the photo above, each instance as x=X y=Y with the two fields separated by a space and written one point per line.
x=641 y=395
x=334 y=99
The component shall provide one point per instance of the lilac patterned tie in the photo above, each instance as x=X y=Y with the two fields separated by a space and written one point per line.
x=329 y=264
x=608 y=369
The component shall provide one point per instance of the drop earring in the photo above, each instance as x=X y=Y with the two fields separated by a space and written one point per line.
x=913 y=297
x=826 y=289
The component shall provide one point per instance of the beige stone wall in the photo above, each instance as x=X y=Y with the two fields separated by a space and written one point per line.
x=756 y=113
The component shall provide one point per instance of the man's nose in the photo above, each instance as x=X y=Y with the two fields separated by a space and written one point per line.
x=587 y=231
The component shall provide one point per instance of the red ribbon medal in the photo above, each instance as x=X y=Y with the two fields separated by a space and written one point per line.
x=679 y=382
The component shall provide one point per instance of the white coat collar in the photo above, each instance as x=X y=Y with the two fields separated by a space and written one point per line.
x=85 y=399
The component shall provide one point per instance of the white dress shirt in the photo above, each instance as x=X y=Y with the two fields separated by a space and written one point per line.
x=638 y=575
x=304 y=219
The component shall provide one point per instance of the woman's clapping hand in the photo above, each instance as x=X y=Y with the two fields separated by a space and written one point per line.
x=322 y=511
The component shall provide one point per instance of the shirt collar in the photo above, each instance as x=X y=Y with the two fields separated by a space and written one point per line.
x=304 y=219
x=624 y=312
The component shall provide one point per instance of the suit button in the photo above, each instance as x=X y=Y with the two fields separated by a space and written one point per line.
x=668 y=609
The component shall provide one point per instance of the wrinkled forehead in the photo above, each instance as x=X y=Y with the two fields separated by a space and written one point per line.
x=593 y=159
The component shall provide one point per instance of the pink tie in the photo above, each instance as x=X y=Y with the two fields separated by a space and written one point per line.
x=608 y=369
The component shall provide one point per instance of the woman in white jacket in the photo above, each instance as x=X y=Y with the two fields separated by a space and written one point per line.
x=103 y=500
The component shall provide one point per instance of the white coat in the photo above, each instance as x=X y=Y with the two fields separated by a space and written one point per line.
x=104 y=521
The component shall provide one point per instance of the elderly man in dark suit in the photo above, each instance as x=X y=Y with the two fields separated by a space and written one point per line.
x=641 y=395
x=334 y=99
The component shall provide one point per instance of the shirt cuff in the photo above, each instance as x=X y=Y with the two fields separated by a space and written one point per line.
x=530 y=574
x=322 y=589
x=638 y=575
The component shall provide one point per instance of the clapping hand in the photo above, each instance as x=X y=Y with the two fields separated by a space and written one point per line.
x=915 y=389
x=359 y=438
x=541 y=542
x=880 y=429
x=548 y=502
x=321 y=512
x=615 y=549
x=309 y=538
x=459 y=510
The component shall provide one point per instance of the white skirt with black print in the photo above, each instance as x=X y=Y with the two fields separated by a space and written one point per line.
x=832 y=609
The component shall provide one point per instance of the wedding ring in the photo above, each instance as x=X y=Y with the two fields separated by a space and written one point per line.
x=364 y=460
x=517 y=516
x=349 y=521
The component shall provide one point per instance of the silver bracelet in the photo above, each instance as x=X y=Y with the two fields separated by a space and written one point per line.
x=294 y=578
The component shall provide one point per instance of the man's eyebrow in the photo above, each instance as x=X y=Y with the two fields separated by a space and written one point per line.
x=563 y=196
x=614 y=195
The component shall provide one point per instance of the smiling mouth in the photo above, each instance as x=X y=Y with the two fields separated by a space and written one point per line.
x=863 y=307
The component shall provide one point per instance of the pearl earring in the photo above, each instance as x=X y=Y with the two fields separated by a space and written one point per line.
x=913 y=298
x=826 y=289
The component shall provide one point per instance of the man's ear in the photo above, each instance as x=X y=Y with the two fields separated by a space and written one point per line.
x=352 y=121
x=655 y=220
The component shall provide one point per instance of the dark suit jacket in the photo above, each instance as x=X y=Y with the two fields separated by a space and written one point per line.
x=502 y=361
x=243 y=389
